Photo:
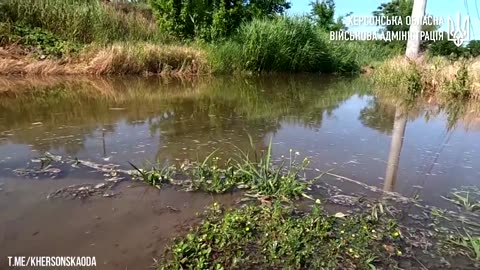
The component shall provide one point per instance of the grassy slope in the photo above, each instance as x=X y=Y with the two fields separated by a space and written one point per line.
x=91 y=37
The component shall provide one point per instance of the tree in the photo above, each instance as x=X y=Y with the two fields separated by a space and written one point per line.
x=211 y=19
x=395 y=8
x=402 y=9
x=473 y=48
x=446 y=47
x=323 y=13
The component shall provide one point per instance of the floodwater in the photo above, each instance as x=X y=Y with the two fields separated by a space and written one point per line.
x=419 y=150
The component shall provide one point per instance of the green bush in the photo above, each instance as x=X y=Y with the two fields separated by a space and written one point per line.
x=209 y=20
x=282 y=44
x=43 y=42
x=473 y=48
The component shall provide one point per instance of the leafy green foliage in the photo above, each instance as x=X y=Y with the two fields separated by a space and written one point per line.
x=448 y=48
x=402 y=9
x=396 y=8
x=473 y=48
x=208 y=176
x=414 y=81
x=323 y=13
x=44 y=41
x=211 y=19
x=280 y=237
x=154 y=176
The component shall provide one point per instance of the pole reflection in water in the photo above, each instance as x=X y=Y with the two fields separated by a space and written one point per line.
x=398 y=133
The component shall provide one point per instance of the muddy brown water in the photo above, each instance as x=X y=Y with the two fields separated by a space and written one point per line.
x=421 y=150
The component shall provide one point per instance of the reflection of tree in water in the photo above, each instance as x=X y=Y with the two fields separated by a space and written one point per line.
x=231 y=110
x=379 y=116
x=66 y=113
x=206 y=112
x=390 y=115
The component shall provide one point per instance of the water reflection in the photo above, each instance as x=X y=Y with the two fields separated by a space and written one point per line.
x=400 y=122
x=65 y=115
x=333 y=121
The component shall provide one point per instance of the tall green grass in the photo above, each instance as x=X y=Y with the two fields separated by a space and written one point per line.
x=282 y=45
x=82 y=21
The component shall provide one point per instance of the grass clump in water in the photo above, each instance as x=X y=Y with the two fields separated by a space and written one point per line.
x=208 y=176
x=154 y=177
x=466 y=197
x=280 y=237
x=467 y=242
x=260 y=178
x=283 y=182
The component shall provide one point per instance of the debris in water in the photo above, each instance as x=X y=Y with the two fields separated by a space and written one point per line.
x=83 y=191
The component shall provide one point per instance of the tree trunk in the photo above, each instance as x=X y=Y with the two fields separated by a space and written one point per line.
x=413 y=43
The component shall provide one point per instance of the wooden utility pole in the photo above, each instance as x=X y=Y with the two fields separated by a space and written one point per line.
x=413 y=44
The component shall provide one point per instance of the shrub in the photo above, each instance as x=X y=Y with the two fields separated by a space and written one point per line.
x=282 y=44
x=38 y=40
x=211 y=19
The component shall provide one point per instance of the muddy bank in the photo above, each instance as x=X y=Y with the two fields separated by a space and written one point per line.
x=123 y=232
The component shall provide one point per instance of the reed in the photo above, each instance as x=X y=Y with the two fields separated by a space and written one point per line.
x=281 y=45
x=81 y=21
x=436 y=76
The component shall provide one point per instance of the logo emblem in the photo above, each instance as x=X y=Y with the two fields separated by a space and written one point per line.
x=460 y=31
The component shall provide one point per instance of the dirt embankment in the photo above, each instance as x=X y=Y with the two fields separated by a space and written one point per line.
x=140 y=59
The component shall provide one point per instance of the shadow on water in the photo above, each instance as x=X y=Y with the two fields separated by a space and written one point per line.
x=417 y=148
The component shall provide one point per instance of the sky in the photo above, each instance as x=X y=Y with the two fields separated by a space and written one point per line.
x=438 y=8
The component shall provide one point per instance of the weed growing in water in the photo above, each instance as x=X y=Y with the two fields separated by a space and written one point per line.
x=278 y=237
x=208 y=176
x=468 y=242
x=154 y=176
x=282 y=182
x=466 y=197
x=260 y=177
